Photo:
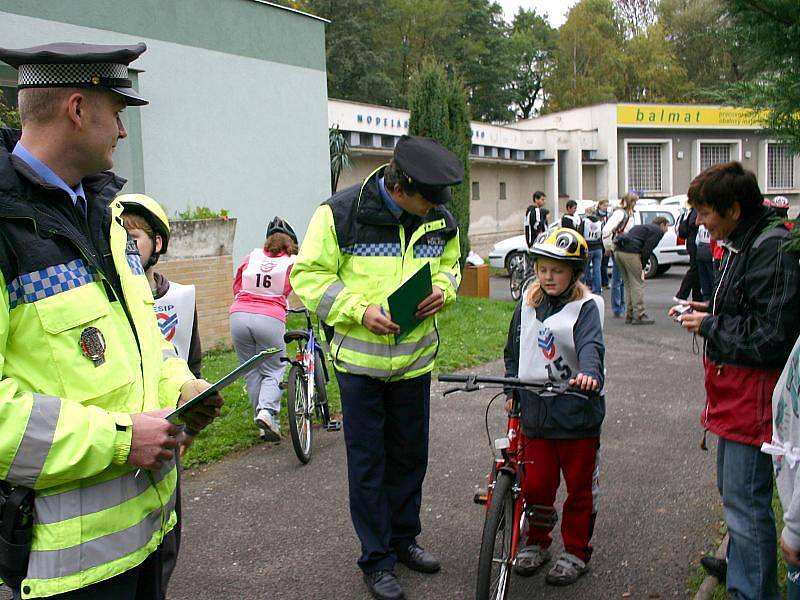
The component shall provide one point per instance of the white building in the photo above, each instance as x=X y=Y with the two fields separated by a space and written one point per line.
x=595 y=152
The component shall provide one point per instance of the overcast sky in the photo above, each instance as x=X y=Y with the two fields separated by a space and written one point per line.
x=556 y=10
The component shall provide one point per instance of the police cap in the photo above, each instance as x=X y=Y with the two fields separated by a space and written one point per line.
x=428 y=165
x=68 y=64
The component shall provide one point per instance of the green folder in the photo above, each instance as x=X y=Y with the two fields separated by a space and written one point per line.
x=404 y=300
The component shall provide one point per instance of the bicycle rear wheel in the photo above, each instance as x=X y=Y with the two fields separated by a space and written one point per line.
x=495 y=562
x=299 y=414
x=516 y=279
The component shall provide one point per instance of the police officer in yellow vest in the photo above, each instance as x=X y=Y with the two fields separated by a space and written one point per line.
x=360 y=246
x=86 y=377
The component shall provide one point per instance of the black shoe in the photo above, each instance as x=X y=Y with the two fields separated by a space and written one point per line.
x=383 y=585
x=716 y=567
x=642 y=320
x=418 y=559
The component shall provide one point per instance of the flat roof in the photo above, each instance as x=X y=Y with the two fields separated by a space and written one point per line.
x=294 y=10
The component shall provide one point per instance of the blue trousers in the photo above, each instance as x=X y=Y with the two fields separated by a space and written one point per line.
x=793 y=584
x=617 y=291
x=744 y=479
x=593 y=277
x=604 y=271
x=386 y=434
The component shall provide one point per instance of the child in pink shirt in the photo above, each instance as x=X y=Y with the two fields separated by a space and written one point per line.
x=258 y=319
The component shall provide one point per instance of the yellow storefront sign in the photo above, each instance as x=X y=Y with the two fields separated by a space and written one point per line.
x=676 y=115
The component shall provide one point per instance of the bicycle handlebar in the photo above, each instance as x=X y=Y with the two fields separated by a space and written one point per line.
x=473 y=382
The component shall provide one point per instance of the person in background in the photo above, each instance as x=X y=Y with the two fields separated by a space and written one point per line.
x=592 y=230
x=749 y=329
x=633 y=250
x=602 y=215
x=620 y=221
x=258 y=320
x=780 y=206
x=570 y=220
x=535 y=218
x=560 y=435
x=690 y=284
x=704 y=261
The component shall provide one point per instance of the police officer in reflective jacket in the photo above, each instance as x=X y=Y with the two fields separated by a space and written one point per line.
x=86 y=376
x=360 y=246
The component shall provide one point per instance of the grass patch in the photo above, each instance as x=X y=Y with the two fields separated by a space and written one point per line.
x=696 y=579
x=473 y=331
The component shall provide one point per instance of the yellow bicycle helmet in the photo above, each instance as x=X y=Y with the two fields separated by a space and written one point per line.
x=150 y=210
x=563 y=244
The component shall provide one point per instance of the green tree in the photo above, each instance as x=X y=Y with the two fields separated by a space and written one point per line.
x=532 y=44
x=439 y=110
x=9 y=117
x=637 y=16
x=699 y=33
x=652 y=71
x=588 y=59
x=770 y=31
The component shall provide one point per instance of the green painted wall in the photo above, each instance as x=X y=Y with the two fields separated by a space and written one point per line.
x=243 y=27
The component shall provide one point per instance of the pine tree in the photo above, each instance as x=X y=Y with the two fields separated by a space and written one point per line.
x=439 y=110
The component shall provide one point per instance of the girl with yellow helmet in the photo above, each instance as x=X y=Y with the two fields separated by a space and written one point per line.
x=556 y=334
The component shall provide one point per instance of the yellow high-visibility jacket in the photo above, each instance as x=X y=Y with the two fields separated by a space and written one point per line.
x=65 y=425
x=356 y=253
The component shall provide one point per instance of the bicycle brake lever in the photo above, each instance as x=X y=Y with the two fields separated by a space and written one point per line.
x=450 y=391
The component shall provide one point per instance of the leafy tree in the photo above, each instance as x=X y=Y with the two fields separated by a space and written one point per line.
x=698 y=31
x=588 y=60
x=652 y=71
x=636 y=15
x=9 y=117
x=480 y=52
x=340 y=155
x=532 y=44
x=439 y=110
x=770 y=31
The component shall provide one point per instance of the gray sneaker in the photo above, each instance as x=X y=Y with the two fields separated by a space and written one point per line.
x=567 y=570
x=642 y=320
x=530 y=559
x=265 y=421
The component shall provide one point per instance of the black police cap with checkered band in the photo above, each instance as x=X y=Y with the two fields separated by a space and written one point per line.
x=427 y=164
x=68 y=64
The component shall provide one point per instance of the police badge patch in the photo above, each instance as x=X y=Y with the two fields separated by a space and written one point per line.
x=93 y=345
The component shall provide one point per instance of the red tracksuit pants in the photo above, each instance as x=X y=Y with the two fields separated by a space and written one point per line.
x=544 y=461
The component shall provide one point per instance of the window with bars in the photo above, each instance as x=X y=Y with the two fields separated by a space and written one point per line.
x=780 y=167
x=502 y=190
x=644 y=167
x=476 y=190
x=713 y=154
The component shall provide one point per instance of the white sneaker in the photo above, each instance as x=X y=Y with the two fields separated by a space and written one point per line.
x=266 y=421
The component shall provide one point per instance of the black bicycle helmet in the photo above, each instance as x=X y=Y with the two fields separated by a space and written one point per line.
x=281 y=225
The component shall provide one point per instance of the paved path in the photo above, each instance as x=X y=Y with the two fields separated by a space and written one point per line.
x=259 y=525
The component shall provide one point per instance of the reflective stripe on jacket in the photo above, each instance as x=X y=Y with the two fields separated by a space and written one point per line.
x=65 y=426
x=356 y=253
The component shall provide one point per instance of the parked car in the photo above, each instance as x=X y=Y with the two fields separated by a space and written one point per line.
x=511 y=251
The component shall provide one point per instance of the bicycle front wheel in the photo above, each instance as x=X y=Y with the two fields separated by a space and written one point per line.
x=516 y=281
x=299 y=414
x=495 y=562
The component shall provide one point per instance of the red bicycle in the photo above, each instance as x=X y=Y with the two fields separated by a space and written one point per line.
x=505 y=503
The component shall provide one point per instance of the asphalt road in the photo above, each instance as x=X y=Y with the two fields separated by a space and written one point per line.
x=260 y=525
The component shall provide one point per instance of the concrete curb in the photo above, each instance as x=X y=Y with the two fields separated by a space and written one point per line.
x=710 y=582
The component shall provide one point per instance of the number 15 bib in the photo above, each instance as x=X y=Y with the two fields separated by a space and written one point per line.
x=265 y=275
x=547 y=348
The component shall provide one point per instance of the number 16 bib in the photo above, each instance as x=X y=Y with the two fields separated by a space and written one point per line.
x=265 y=275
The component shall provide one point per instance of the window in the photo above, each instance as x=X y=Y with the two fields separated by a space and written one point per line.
x=534 y=155
x=387 y=141
x=502 y=190
x=562 y=173
x=644 y=167
x=780 y=167
x=475 y=150
x=649 y=215
x=713 y=154
x=476 y=190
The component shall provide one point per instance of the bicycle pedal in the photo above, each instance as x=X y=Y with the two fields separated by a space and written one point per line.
x=333 y=425
x=481 y=497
